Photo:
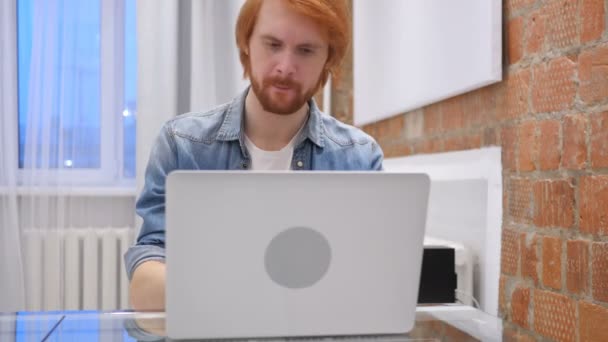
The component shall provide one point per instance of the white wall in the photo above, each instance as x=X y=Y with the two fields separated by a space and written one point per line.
x=408 y=54
x=465 y=206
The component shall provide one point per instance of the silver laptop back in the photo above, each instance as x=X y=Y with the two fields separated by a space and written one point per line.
x=284 y=254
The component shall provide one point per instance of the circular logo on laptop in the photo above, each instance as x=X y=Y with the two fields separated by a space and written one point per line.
x=297 y=257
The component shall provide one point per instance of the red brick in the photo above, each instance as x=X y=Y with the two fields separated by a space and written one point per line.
x=552 y=262
x=536 y=32
x=529 y=259
x=502 y=296
x=509 y=252
x=593 y=326
x=454 y=144
x=512 y=101
x=515 y=5
x=593 y=20
x=508 y=140
x=515 y=39
x=520 y=302
x=577 y=266
x=506 y=210
x=490 y=138
x=413 y=125
x=480 y=105
x=575 y=142
x=593 y=74
x=554 y=203
x=391 y=128
x=342 y=91
x=562 y=23
x=519 y=200
x=372 y=130
x=471 y=141
x=511 y=335
x=599 y=271
x=528 y=146
x=524 y=337
x=432 y=119
x=554 y=86
x=429 y=146
x=549 y=145
x=599 y=140
x=342 y=96
x=396 y=150
x=593 y=207
x=554 y=316
x=452 y=111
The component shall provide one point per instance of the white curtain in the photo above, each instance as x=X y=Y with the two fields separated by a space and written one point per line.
x=187 y=61
x=42 y=155
x=12 y=294
x=53 y=155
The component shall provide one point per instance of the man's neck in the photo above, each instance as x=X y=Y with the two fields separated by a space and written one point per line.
x=270 y=131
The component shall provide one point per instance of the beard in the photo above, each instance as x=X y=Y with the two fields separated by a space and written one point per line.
x=280 y=103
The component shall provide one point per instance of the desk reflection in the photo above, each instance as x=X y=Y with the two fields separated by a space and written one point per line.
x=433 y=323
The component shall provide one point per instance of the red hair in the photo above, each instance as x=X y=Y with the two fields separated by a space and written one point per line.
x=332 y=15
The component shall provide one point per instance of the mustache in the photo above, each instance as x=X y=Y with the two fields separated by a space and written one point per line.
x=281 y=82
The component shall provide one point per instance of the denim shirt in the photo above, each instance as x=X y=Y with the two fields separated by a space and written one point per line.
x=214 y=140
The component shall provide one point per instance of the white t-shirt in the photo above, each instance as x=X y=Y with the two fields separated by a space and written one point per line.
x=262 y=160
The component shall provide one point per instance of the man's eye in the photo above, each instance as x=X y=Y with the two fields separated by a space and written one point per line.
x=274 y=46
x=306 y=51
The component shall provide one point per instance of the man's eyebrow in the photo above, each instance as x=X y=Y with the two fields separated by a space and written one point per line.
x=311 y=46
x=308 y=45
x=269 y=37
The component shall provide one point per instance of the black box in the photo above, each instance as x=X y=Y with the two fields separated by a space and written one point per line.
x=438 y=276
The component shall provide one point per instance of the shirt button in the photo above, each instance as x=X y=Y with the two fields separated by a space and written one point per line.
x=299 y=163
x=244 y=165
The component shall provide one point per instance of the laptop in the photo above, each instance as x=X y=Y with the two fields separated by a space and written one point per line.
x=293 y=254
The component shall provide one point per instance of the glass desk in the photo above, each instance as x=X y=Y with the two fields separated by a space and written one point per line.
x=433 y=323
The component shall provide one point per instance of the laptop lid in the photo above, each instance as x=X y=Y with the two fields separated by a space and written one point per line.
x=284 y=254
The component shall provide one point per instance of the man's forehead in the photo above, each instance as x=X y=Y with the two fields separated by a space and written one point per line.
x=278 y=21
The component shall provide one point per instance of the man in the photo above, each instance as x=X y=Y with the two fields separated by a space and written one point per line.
x=288 y=49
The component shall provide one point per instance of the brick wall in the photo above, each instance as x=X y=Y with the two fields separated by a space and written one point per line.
x=550 y=116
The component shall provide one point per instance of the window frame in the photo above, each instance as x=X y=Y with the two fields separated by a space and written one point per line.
x=8 y=36
x=110 y=172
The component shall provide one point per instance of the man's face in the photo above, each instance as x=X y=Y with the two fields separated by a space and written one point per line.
x=287 y=53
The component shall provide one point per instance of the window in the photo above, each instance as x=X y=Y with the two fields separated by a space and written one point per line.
x=77 y=77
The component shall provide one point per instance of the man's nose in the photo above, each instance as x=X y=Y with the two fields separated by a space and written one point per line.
x=286 y=65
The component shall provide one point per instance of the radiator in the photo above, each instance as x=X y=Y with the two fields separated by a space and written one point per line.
x=76 y=269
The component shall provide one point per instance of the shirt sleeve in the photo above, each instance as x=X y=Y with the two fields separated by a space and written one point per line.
x=150 y=206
